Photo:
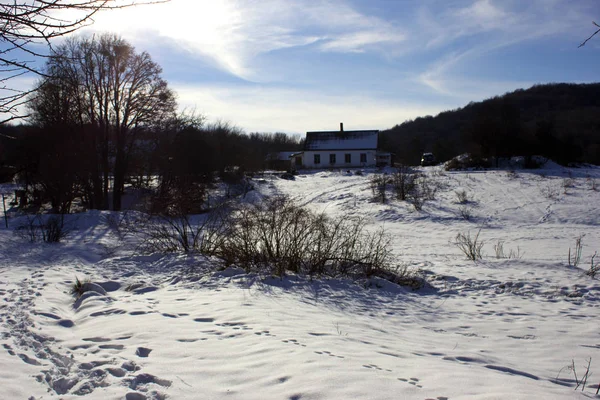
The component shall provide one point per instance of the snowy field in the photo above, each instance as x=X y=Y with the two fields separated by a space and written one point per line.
x=171 y=327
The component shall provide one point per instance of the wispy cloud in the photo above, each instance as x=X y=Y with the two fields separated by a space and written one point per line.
x=271 y=109
x=475 y=29
x=482 y=14
x=511 y=20
x=359 y=42
x=233 y=33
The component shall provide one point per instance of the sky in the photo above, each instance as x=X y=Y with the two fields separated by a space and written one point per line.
x=295 y=66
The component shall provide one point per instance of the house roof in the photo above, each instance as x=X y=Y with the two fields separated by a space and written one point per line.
x=341 y=140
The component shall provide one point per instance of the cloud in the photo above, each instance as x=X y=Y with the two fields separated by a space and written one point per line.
x=262 y=109
x=477 y=29
x=359 y=42
x=509 y=21
x=233 y=33
x=482 y=14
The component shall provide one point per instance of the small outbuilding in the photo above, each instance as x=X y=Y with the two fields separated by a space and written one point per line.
x=280 y=161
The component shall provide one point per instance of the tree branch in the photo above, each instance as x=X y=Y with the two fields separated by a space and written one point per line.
x=25 y=23
x=593 y=34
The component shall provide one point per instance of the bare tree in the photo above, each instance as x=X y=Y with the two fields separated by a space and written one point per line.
x=591 y=36
x=27 y=24
x=109 y=91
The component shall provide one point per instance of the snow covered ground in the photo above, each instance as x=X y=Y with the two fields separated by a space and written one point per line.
x=171 y=327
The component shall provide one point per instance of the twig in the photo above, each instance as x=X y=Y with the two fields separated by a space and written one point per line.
x=593 y=34
x=587 y=373
x=575 y=373
x=184 y=382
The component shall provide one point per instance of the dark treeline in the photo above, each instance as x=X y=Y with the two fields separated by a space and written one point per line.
x=182 y=158
x=102 y=118
x=558 y=121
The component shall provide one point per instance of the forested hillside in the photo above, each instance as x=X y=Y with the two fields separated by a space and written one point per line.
x=559 y=121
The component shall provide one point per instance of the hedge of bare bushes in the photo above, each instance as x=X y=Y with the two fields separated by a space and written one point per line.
x=276 y=237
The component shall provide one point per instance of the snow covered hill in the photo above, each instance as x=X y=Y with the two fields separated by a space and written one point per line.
x=170 y=326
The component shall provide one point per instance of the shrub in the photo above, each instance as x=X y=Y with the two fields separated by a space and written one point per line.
x=274 y=237
x=403 y=181
x=567 y=183
x=471 y=247
x=594 y=267
x=581 y=380
x=78 y=288
x=46 y=228
x=512 y=174
x=422 y=190
x=462 y=197
x=178 y=233
x=428 y=188
x=550 y=191
x=465 y=212
x=378 y=183
x=500 y=253
x=575 y=257
x=413 y=187
x=179 y=196
x=278 y=236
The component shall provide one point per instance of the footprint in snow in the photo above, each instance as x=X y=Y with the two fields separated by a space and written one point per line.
x=141 y=312
x=143 y=352
x=263 y=333
x=116 y=372
x=144 y=379
x=294 y=342
x=328 y=353
x=130 y=366
x=96 y=339
x=111 y=346
x=66 y=323
x=523 y=337
x=411 y=381
x=376 y=367
x=28 y=359
x=9 y=349
x=204 y=319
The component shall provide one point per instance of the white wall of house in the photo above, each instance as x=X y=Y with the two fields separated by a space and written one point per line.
x=340 y=158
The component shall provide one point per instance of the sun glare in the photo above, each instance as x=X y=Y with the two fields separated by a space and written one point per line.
x=206 y=27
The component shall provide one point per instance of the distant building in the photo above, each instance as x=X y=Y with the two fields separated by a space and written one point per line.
x=340 y=149
x=280 y=161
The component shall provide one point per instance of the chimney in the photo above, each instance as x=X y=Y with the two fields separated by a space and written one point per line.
x=341 y=127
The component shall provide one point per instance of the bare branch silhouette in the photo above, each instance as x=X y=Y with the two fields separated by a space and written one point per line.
x=593 y=34
x=25 y=24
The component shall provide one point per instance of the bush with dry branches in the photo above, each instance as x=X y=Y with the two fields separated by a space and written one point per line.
x=274 y=237
x=471 y=247
x=278 y=236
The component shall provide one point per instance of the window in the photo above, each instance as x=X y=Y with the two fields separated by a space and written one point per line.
x=317 y=159
x=363 y=157
x=332 y=159
x=348 y=158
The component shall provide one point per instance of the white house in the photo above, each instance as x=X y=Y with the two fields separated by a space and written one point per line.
x=338 y=149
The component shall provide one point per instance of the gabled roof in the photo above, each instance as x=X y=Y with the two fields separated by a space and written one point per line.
x=341 y=140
